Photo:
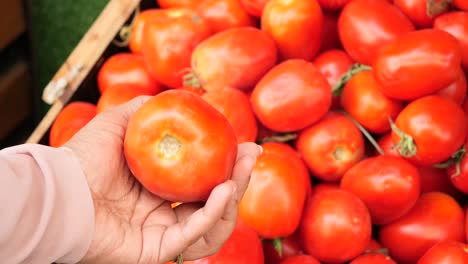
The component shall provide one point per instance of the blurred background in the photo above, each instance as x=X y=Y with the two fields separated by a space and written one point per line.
x=36 y=36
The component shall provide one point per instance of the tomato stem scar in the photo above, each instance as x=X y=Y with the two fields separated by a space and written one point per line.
x=169 y=146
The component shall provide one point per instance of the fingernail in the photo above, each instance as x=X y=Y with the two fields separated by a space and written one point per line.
x=261 y=149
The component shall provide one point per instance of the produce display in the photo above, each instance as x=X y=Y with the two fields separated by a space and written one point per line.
x=360 y=107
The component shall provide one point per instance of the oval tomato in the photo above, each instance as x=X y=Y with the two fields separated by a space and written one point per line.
x=447 y=252
x=365 y=26
x=237 y=57
x=298 y=33
x=136 y=37
x=236 y=107
x=460 y=180
x=178 y=139
x=225 y=14
x=290 y=247
x=331 y=146
x=436 y=138
x=168 y=42
x=336 y=226
x=126 y=68
x=363 y=100
x=457 y=90
x=192 y=4
x=300 y=259
x=330 y=37
x=456 y=23
x=243 y=246
x=406 y=68
x=117 y=95
x=291 y=96
x=254 y=7
x=436 y=180
x=279 y=177
x=422 y=12
x=389 y=186
x=373 y=258
x=69 y=121
x=435 y=217
x=333 y=64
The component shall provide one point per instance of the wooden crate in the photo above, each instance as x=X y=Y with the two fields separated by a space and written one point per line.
x=88 y=56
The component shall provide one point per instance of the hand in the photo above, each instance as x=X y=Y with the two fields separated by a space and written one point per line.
x=135 y=226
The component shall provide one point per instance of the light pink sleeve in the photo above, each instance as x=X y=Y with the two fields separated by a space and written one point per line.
x=46 y=209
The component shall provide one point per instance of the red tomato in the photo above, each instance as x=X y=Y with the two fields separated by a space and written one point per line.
x=291 y=96
x=422 y=12
x=406 y=68
x=254 y=7
x=243 y=246
x=460 y=181
x=461 y=4
x=236 y=107
x=447 y=252
x=69 y=121
x=192 y=4
x=136 y=36
x=178 y=139
x=436 y=180
x=331 y=146
x=456 y=23
x=324 y=186
x=435 y=136
x=225 y=14
x=363 y=100
x=168 y=42
x=299 y=31
x=389 y=186
x=117 y=95
x=330 y=37
x=126 y=68
x=373 y=258
x=336 y=226
x=333 y=5
x=279 y=178
x=457 y=90
x=435 y=217
x=373 y=246
x=333 y=64
x=300 y=259
x=386 y=144
x=237 y=57
x=365 y=26
x=290 y=247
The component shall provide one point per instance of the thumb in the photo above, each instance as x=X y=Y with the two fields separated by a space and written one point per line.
x=122 y=113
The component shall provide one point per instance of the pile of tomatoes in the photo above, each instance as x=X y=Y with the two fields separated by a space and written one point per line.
x=360 y=107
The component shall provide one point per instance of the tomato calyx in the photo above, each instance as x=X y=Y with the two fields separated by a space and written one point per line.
x=434 y=7
x=125 y=32
x=406 y=146
x=353 y=70
x=456 y=159
x=192 y=79
x=169 y=146
x=278 y=139
x=278 y=246
x=365 y=133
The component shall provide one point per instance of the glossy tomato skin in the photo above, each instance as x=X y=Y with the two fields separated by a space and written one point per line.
x=420 y=12
x=456 y=23
x=333 y=64
x=331 y=146
x=126 y=68
x=447 y=252
x=293 y=84
x=389 y=186
x=192 y=4
x=330 y=37
x=336 y=226
x=279 y=178
x=290 y=247
x=457 y=90
x=460 y=181
x=435 y=217
x=436 y=136
x=178 y=139
x=117 y=95
x=373 y=258
x=363 y=100
x=69 y=121
x=299 y=31
x=237 y=57
x=236 y=107
x=406 y=68
x=300 y=259
x=168 y=42
x=254 y=7
x=365 y=26
x=225 y=14
x=136 y=37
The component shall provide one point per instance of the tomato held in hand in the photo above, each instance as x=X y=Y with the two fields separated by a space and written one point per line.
x=363 y=100
x=423 y=12
x=300 y=259
x=330 y=37
x=430 y=137
x=331 y=146
x=254 y=7
x=457 y=90
x=168 y=42
x=406 y=68
x=136 y=37
x=365 y=26
x=117 y=95
x=299 y=31
x=192 y=4
x=435 y=217
x=291 y=96
x=336 y=226
x=69 y=121
x=447 y=252
x=225 y=14
x=179 y=147
x=389 y=186
x=126 y=68
x=373 y=258
x=456 y=23
x=237 y=58
x=277 y=189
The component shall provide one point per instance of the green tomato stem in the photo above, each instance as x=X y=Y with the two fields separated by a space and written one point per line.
x=278 y=245
x=337 y=88
x=406 y=146
x=366 y=133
